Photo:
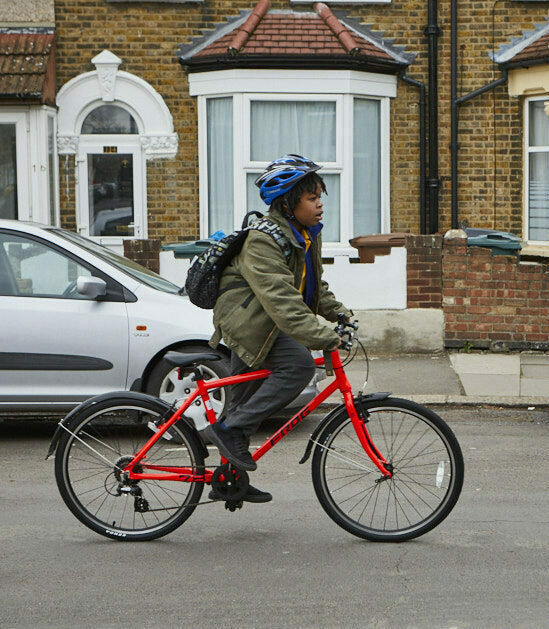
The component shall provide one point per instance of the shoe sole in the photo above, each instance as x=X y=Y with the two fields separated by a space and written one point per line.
x=254 y=499
x=210 y=433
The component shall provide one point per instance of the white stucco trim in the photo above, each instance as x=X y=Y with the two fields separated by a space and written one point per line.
x=293 y=82
x=109 y=85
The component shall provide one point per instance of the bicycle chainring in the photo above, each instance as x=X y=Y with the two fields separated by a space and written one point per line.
x=229 y=484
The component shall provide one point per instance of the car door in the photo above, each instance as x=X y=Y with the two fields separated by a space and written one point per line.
x=56 y=346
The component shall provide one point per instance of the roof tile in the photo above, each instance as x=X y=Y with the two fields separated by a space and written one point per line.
x=24 y=63
x=290 y=33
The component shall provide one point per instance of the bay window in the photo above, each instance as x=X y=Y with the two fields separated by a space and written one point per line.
x=240 y=132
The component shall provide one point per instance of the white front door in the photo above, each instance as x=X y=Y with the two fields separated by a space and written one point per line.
x=111 y=189
x=55 y=344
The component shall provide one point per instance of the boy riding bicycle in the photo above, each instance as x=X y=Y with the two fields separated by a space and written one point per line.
x=267 y=307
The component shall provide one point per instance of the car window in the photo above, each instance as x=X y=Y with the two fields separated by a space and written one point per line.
x=32 y=269
x=127 y=266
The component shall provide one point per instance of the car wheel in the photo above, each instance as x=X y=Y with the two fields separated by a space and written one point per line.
x=164 y=380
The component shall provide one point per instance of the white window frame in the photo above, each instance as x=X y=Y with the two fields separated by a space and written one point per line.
x=55 y=178
x=526 y=184
x=342 y=87
x=31 y=137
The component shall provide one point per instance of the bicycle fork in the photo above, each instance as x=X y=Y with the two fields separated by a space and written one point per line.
x=359 y=424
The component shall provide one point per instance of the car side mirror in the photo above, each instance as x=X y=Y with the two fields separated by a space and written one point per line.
x=93 y=287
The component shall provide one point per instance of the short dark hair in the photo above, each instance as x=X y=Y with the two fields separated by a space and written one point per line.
x=309 y=183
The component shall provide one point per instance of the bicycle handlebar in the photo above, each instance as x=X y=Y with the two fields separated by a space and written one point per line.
x=341 y=329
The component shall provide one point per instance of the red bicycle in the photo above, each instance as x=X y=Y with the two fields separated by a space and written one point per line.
x=131 y=467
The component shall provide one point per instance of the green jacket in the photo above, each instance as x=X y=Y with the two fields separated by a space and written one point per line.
x=249 y=317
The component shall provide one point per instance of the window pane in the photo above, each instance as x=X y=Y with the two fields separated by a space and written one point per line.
x=8 y=172
x=35 y=270
x=305 y=128
x=539 y=197
x=109 y=119
x=110 y=194
x=539 y=124
x=366 y=168
x=219 y=113
x=51 y=169
x=330 y=219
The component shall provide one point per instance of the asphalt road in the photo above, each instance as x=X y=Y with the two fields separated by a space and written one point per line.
x=286 y=564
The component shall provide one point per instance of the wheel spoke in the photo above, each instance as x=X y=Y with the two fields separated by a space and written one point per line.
x=97 y=490
x=417 y=446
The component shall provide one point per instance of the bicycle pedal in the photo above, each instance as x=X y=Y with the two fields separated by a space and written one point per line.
x=233 y=506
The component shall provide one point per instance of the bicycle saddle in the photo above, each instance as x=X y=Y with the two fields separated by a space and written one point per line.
x=184 y=360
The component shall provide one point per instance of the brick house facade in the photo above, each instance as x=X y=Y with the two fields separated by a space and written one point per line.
x=145 y=38
x=491 y=167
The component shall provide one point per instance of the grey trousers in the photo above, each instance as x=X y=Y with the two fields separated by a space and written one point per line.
x=292 y=368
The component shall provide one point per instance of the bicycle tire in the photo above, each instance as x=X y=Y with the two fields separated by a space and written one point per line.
x=88 y=476
x=427 y=476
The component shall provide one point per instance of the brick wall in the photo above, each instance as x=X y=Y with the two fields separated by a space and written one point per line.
x=146 y=35
x=424 y=271
x=489 y=301
x=146 y=252
x=492 y=300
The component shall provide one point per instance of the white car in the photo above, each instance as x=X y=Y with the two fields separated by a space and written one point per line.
x=77 y=320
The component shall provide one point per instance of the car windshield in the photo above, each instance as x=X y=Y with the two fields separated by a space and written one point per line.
x=135 y=270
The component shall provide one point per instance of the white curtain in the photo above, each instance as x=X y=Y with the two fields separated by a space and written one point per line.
x=220 y=165
x=538 y=197
x=538 y=185
x=539 y=124
x=330 y=219
x=366 y=168
x=305 y=128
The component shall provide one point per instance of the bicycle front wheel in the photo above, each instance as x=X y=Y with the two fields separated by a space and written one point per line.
x=427 y=468
x=90 y=458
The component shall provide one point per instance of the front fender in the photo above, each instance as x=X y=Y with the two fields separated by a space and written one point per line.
x=113 y=395
x=318 y=430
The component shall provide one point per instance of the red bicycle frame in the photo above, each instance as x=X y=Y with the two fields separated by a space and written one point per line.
x=187 y=474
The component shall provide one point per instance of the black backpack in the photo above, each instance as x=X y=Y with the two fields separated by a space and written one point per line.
x=202 y=284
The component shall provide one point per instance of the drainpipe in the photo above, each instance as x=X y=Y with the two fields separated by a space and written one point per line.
x=433 y=31
x=455 y=102
x=422 y=152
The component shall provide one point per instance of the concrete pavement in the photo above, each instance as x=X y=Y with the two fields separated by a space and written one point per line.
x=456 y=378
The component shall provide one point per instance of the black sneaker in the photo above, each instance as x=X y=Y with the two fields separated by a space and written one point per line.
x=232 y=444
x=252 y=495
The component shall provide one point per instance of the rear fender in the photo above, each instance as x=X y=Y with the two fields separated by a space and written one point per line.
x=320 y=428
x=113 y=396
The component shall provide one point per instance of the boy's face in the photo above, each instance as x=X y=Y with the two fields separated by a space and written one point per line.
x=308 y=210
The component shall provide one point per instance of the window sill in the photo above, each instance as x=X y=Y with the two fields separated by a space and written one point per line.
x=537 y=250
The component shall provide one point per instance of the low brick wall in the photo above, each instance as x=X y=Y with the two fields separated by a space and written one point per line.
x=492 y=300
x=145 y=252
x=489 y=301
x=424 y=271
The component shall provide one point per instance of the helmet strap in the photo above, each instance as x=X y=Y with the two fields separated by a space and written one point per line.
x=289 y=212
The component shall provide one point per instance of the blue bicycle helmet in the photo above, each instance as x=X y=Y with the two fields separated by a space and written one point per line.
x=282 y=175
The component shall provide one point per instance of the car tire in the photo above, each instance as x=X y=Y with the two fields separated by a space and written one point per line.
x=164 y=383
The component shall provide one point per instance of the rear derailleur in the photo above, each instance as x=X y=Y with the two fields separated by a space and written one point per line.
x=230 y=484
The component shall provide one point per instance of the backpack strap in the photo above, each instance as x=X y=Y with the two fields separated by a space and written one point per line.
x=268 y=226
x=233 y=285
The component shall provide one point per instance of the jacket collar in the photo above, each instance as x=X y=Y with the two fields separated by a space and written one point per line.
x=313 y=232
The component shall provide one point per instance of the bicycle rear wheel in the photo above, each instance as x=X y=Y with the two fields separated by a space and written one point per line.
x=103 y=438
x=427 y=472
